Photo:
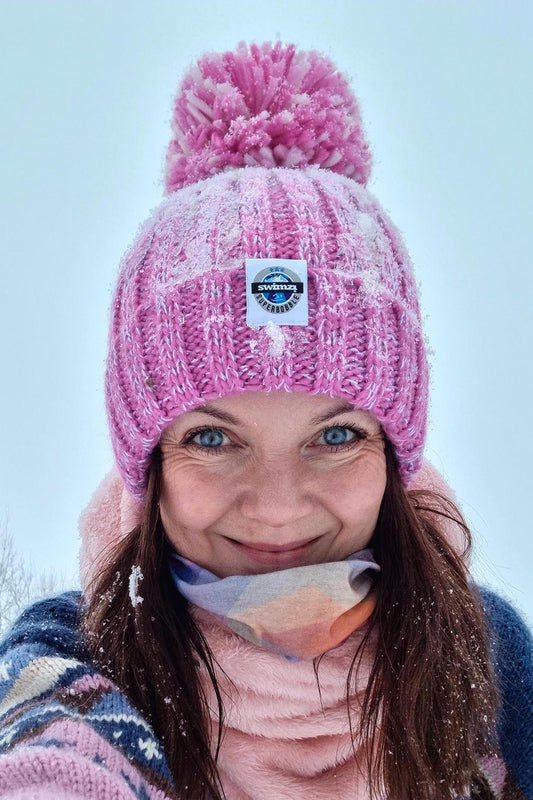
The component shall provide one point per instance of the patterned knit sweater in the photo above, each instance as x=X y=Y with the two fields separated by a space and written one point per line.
x=68 y=732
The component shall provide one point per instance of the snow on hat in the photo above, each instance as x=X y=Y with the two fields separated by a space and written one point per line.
x=269 y=265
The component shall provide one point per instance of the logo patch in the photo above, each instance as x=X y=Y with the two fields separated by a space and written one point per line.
x=276 y=291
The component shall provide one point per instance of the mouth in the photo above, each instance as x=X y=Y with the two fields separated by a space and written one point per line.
x=276 y=555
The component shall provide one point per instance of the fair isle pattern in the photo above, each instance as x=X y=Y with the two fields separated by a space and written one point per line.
x=64 y=725
x=67 y=731
x=268 y=160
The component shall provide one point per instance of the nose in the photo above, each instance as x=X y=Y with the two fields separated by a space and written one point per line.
x=276 y=495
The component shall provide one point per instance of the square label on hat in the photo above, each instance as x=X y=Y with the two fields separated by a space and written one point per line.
x=276 y=291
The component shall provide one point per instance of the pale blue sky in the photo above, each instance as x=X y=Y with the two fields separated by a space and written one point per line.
x=445 y=89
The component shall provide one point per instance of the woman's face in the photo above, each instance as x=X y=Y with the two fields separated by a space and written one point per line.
x=265 y=481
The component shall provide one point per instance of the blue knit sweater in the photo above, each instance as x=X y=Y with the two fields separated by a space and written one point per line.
x=66 y=731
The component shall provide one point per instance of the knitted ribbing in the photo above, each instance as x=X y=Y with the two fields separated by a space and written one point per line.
x=179 y=336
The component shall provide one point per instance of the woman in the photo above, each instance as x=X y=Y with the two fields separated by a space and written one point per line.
x=276 y=598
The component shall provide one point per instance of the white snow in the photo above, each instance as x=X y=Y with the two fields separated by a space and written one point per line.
x=276 y=347
x=136 y=577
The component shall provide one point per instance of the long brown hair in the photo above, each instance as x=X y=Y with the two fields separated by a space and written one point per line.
x=430 y=705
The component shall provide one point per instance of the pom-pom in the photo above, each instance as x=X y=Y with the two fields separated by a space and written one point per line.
x=269 y=106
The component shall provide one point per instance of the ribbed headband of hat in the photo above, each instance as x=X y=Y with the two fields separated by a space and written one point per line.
x=268 y=161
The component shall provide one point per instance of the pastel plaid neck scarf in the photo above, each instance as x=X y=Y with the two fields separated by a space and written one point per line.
x=300 y=612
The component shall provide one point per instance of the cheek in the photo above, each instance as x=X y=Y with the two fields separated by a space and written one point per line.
x=359 y=492
x=189 y=501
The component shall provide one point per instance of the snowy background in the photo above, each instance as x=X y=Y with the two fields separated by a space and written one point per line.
x=445 y=89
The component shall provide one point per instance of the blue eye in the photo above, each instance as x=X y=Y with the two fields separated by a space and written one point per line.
x=209 y=438
x=338 y=435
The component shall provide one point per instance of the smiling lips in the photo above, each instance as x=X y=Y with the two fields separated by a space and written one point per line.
x=274 y=554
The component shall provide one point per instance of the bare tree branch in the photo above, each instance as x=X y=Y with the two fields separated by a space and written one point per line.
x=19 y=584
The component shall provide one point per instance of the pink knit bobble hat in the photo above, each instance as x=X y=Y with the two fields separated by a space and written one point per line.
x=268 y=161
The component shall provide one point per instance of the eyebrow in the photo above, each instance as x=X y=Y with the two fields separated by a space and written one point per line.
x=342 y=408
x=222 y=415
